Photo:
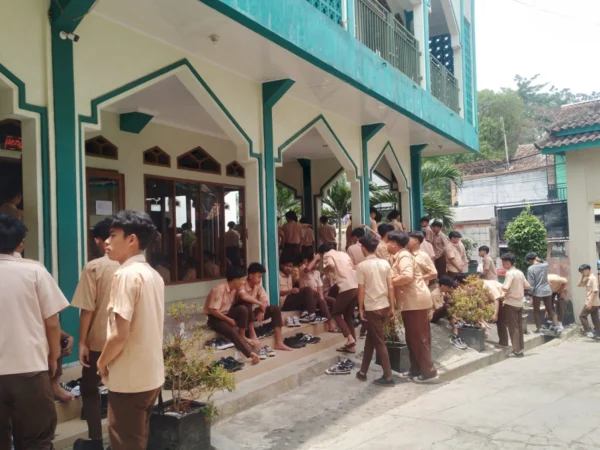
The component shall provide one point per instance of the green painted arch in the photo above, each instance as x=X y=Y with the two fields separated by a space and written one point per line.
x=42 y=112
x=171 y=68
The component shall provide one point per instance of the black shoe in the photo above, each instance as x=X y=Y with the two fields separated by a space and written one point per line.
x=88 y=444
x=294 y=342
x=361 y=376
x=383 y=382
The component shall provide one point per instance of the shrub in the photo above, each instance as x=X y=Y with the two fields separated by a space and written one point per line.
x=471 y=302
x=526 y=234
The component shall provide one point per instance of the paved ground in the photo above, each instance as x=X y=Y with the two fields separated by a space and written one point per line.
x=547 y=400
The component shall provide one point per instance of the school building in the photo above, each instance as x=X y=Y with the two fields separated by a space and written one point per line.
x=192 y=110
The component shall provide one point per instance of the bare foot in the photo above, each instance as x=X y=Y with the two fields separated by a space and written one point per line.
x=253 y=344
x=60 y=394
x=255 y=359
x=284 y=347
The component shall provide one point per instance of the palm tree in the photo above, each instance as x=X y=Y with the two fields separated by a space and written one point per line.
x=338 y=203
x=382 y=195
x=287 y=201
x=437 y=176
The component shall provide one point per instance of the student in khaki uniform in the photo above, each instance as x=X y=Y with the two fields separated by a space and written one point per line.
x=327 y=233
x=456 y=255
x=308 y=236
x=514 y=288
x=92 y=297
x=496 y=295
x=292 y=236
x=231 y=239
x=11 y=205
x=414 y=300
x=439 y=241
x=558 y=285
x=382 y=251
x=29 y=344
x=395 y=220
x=426 y=264
x=373 y=213
x=426 y=229
x=489 y=266
x=131 y=364
x=592 y=302
x=355 y=249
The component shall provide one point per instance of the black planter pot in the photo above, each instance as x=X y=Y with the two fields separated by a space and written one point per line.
x=399 y=359
x=170 y=432
x=473 y=337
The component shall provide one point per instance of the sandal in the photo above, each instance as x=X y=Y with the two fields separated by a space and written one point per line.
x=336 y=330
x=346 y=348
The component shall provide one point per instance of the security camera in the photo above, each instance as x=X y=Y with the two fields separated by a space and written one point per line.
x=71 y=36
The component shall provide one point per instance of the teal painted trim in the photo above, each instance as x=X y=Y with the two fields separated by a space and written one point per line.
x=66 y=15
x=42 y=112
x=134 y=122
x=271 y=94
x=416 y=184
x=425 y=50
x=579 y=130
x=568 y=148
x=351 y=18
x=323 y=190
x=306 y=165
x=367 y=132
x=347 y=59
x=474 y=62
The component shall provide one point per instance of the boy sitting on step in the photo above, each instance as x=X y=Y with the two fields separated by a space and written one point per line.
x=310 y=277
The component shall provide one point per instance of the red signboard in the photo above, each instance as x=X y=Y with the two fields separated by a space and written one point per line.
x=13 y=143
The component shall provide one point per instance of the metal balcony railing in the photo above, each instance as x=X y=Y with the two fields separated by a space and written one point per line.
x=331 y=8
x=382 y=33
x=444 y=85
x=557 y=192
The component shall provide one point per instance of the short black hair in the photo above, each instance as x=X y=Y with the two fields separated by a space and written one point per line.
x=324 y=248
x=378 y=217
x=358 y=232
x=372 y=210
x=102 y=229
x=461 y=278
x=437 y=223
x=231 y=224
x=303 y=220
x=485 y=248
x=370 y=242
x=401 y=237
x=256 y=268
x=324 y=219
x=445 y=280
x=291 y=215
x=417 y=235
x=425 y=218
x=509 y=257
x=454 y=234
x=13 y=191
x=287 y=259
x=135 y=222
x=235 y=272
x=384 y=229
x=584 y=267
x=393 y=214
x=307 y=254
x=531 y=256
x=12 y=233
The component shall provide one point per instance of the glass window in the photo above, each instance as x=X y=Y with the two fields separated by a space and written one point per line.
x=211 y=201
x=159 y=204
x=186 y=202
x=234 y=231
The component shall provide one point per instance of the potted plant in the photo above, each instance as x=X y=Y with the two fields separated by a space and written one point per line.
x=397 y=349
x=184 y=422
x=471 y=305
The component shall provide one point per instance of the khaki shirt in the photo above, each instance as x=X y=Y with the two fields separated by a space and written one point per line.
x=9 y=208
x=93 y=294
x=292 y=232
x=456 y=258
x=428 y=234
x=414 y=294
x=310 y=279
x=494 y=288
x=374 y=273
x=29 y=297
x=231 y=238
x=373 y=224
x=286 y=283
x=397 y=225
x=382 y=251
x=514 y=287
x=557 y=283
x=426 y=265
x=137 y=295
x=438 y=298
x=308 y=237
x=257 y=293
x=340 y=265
x=428 y=248
x=356 y=254
x=327 y=234
x=439 y=242
x=221 y=297
x=591 y=290
x=488 y=264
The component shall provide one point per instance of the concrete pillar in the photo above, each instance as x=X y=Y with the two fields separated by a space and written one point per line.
x=32 y=191
x=252 y=211
x=357 y=210
x=421 y=32
x=367 y=132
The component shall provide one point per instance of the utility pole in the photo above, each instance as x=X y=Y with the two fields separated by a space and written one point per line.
x=505 y=143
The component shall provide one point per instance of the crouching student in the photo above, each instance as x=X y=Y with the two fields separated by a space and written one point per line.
x=514 y=288
x=252 y=293
x=131 y=364
x=558 y=285
x=441 y=297
x=295 y=299
x=496 y=295
x=414 y=300
x=375 y=304
x=592 y=302
x=310 y=277
x=30 y=344
x=224 y=316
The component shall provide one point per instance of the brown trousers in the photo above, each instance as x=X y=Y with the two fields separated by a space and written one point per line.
x=440 y=265
x=291 y=251
x=560 y=307
x=502 y=328
x=595 y=319
x=129 y=419
x=27 y=411
x=239 y=313
x=514 y=322
x=343 y=310
x=549 y=309
x=90 y=380
x=376 y=341
x=305 y=300
x=418 y=340
x=272 y=312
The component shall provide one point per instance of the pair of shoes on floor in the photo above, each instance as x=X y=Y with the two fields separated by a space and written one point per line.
x=458 y=342
x=308 y=338
x=292 y=322
x=265 y=330
x=514 y=354
x=88 y=444
x=73 y=386
x=265 y=352
x=342 y=367
x=294 y=342
x=219 y=343
x=229 y=364
x=305 y=317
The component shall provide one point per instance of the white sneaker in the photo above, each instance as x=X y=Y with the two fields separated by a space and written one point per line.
x=589 y=335
x=304 y=317
x=296 y=322
x=289 y=322
x=262 y=353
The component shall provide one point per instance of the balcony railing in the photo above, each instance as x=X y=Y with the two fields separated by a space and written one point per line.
x=557 y=192
x=331 y=8
x=444 y=86
x=382 y=33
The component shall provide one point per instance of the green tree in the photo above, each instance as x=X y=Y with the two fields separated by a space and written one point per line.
x=526 y=234
x=437 y=176
x=287 y=201
x=382 y=195
x=338 y=203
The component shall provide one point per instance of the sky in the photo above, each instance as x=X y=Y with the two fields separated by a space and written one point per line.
x=562 y=46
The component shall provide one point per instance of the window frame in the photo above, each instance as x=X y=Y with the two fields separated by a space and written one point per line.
x=200 y=248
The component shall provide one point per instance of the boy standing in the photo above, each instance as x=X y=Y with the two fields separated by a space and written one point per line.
x=92 y=296
x=590 y=282
x=496 y=295
x=355 y=250
x=327 y=233
x=232 y=245
x=514 y=288
x=375 y=303
x=537 y=277
x=427 y=229
x=29 y=344
x=439 y=241
x=308 y=236
x=416 y=238
x=414 y=300
x=456 y=256
x=382 y=251
x=489 y=266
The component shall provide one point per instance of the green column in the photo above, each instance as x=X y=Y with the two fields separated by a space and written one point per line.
x=308 y=195
x=367 y=132
x=416 y=182
x=271 y=94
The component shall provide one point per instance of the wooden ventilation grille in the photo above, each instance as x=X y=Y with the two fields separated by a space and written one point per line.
x=235 y=169
x=199 y=160
x=101 y=147
x=156 y=156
